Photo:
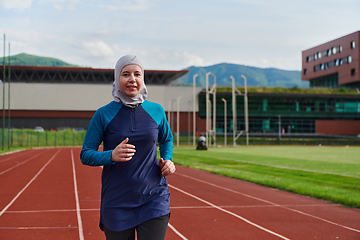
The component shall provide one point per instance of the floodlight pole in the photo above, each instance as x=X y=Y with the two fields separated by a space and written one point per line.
x=3 y=83
x=188 y=122
x=178 y=121
x=208 y=113
x=225 y=121
x=194 y=118
x=207 y=109
x=246 y=111
x=213 y=91
x=234 y=111
x=9 y=101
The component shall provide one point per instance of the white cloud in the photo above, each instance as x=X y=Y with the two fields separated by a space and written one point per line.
x=130 y=5
x=63 y=4
x=98 y=49
x=160 y=58
x=20 y=4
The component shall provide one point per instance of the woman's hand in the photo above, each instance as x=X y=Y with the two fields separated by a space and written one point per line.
x=123 y=152
x=167 y=167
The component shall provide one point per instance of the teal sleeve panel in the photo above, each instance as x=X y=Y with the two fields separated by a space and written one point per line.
x=165 y=137
x=94 y=136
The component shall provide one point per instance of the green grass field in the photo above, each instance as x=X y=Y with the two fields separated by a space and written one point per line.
x=328 y=173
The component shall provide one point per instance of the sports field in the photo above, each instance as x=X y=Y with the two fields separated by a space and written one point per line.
x=328 y=173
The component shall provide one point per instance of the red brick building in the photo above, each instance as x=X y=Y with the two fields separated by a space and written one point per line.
x=333 y=64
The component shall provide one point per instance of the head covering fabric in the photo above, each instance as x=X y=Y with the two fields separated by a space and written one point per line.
x=118 y=93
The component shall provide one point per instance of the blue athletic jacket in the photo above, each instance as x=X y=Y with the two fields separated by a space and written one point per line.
x=133 y=191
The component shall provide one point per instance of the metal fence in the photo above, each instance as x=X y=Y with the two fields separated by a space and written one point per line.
x=18 y=138
x=29 y=138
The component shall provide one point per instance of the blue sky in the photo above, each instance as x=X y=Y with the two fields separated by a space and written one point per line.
x=173 y=35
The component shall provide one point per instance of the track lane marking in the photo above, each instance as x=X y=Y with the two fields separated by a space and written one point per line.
x=181 y=207
x=228 y=212
x=49 y=211
x=35 y=228
x=8 y=154
x=28 y=184
x=274 y=204
x=19 y=164
x=78 y=214
x=177 y=232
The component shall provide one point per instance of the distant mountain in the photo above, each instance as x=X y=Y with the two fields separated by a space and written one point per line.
x=256 y=77
x=24 y=59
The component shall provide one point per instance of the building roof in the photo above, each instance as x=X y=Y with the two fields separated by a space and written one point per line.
x=31 y=74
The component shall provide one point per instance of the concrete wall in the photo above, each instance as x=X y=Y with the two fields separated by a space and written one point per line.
x=88 y=97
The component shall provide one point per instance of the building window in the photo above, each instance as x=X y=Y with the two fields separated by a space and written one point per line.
x=328 y=53
x=305 y=71
x=334 y=50
x=316 y=68
x=336 y=62
x=349 y=59
x=353 y=72
x=352 y=44
x=340 y=49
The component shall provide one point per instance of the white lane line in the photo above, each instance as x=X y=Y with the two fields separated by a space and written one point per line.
x=251 y=206
x=228 y=212
x=177 y=232
x=35 y=228
x=81 y=232
x=11 y=156
x=274 y=204
x=27 y=185
x=1 y=173
x=49 y=211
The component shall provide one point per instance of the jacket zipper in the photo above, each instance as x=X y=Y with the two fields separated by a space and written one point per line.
x=133 y=126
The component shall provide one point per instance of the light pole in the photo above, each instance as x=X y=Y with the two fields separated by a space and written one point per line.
x=3 y=83
x=194 y=119
x=213 y=91
x=225 y=121
x=9 y=101
x=178 y=121
x=234 y=111
x=246 y=111
x=188 y=123
x=208 y=113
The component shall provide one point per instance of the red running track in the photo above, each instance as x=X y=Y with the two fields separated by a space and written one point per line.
x=48 y=194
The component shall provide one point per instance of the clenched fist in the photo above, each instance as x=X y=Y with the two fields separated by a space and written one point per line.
x=167 y=167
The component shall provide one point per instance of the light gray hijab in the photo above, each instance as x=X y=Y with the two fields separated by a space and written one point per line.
x=118 y=92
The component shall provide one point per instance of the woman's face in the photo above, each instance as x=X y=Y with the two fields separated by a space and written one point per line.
x=131 y=79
